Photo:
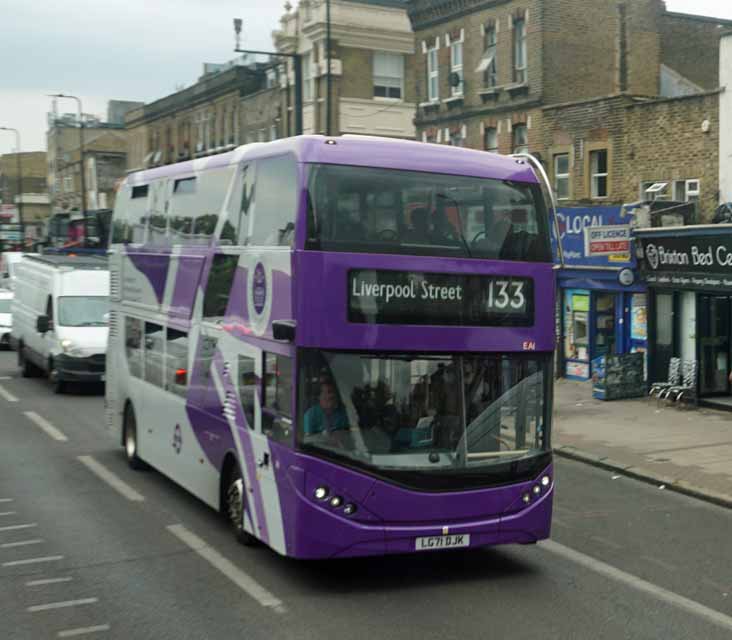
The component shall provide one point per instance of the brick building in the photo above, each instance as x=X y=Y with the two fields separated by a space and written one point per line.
x=372 y=79
x=606 y=94
x=33 y=182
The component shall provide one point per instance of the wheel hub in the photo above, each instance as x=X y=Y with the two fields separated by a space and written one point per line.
x=235 y=503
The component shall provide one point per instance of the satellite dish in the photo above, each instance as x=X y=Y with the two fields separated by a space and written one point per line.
x=454 y=79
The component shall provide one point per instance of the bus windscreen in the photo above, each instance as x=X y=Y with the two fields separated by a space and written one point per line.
x=370 y=210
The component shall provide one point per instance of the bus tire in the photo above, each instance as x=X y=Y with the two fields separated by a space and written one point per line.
x=129 y=439
x=234 y=504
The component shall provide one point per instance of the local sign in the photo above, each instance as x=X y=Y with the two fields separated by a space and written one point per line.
x=607 y=241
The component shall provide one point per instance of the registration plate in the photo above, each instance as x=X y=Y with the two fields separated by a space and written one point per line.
x=442 y=542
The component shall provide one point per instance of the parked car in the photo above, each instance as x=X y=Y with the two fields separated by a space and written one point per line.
x=6 y=318
x=60 y=317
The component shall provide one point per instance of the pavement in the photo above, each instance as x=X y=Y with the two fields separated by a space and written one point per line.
x=684 y=450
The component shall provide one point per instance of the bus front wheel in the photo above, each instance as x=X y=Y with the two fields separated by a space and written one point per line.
x=235 y=507
x=130 y=440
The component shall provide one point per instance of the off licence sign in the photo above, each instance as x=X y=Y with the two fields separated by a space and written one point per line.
x=606 y=241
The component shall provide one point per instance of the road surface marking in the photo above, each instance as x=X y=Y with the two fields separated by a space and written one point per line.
x=6 y=499
x=688 y=605
x=110 y=478
x=45 y=425
x=665 y=565
x=17 y=563
x=241 y=579
x=4 y=393
x=38 y=583
x=8 y=513
x=82 y=631
x=606 y=542
x=15 y=527
x=21 y=543
x=6 y=378
x=60 y=605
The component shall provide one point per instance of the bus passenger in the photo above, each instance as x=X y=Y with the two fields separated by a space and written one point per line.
x=328 y=415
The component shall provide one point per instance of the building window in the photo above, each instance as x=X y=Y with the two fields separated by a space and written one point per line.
x=487 y=64
x=433 y=76
x=455 y=137
x=687 y=190
x=598 y=173
x=68 y=184
x=490 y=140
x=520 y=139
x=388 y=75
x=561 y=176
x=273 y=132
x=655 y=190
x=307 y=77
x=456 y=68
x=519 y=50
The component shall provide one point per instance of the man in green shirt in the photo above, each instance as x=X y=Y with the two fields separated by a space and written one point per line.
x=328 y=415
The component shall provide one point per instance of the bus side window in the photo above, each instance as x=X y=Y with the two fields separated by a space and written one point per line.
x=275 y=209
x=176 y=362
x=133 y=346
x=277 y=405
x=218 y=287
x=154 y=343
x=137 y=215
x=248 y=387
x=158 y=213
x=236 y=226
x=118 y=234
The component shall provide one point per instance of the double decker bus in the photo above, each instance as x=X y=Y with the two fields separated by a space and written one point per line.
x=342 y=344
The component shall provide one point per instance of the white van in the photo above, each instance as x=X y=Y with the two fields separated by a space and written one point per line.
x=8 y=261
x=6 y=317
x=60 y=317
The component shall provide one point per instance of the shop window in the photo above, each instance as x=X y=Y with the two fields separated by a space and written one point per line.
x=519 y=50
x=561 y=176
x=490 y=140
x=599 y=173
x=154 y=350
x=176 y=362
x=604 y=325
x=520 y=138
x=487 y=65
x=277 y=406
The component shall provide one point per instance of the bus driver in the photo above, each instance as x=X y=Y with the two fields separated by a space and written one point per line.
x=328 y=415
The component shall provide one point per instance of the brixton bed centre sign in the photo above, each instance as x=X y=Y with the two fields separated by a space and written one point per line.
x=400 y=297
x=690 y=262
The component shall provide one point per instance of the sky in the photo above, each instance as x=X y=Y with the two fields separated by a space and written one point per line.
x=133 y=50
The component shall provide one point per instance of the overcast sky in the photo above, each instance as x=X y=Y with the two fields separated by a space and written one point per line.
x=133 y=50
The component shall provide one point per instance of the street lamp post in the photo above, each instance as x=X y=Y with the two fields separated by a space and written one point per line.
x=82 y=205
x=19 y=182
x=329 y=81
x=297 y=60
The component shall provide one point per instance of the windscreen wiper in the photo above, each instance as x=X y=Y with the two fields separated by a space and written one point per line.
x=460 y=220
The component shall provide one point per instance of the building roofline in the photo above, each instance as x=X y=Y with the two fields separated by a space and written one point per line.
x=424 y=17
x=660 y=100
x=691 y=16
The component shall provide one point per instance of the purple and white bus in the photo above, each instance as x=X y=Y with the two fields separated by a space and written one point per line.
x=343 y=344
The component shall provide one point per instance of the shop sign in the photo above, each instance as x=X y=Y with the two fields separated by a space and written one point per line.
x=578 y=369
x=607 y=241
x=688 y=261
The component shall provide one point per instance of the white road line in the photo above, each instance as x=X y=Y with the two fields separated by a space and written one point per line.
x=17 y=563
x=669 y=597
x=8 y=513
x=38 y=583
x=6 y=378
x=664 y=565
x=241 y=579
x=111 y=479
x=15 y=527
x=60 y=605
x=46 y=426
x=6 y=499
x=21 y=543
x=82 y=631
x=4 y=393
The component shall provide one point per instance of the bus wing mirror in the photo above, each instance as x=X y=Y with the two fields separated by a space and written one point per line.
x=42 y=324
x=284 y=330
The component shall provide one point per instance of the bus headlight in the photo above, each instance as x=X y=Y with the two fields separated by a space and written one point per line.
x=321 y=493
x=526 y=498
x=536 y=489
x=336 y=501
x=349 y=509
x=545 y=480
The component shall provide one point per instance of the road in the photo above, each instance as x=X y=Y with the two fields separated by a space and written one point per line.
x=92 y=549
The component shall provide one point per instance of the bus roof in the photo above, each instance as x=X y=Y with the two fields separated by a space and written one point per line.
x=361 y=151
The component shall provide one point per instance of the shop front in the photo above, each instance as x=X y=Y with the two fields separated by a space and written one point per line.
x=689 y=275
x=602 y=303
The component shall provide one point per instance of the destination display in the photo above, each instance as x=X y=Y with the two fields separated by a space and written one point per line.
x=398 y=297
x=691 y=262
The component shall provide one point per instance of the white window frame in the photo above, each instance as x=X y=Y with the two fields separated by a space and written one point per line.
x=561 y=176
x=520 y=53
x=656 y=190
x=487 y=65
x=456 y=66
x=68 y=184
x=692 y=190
x=594 y=175
x=386 y=80
x=433 y=74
